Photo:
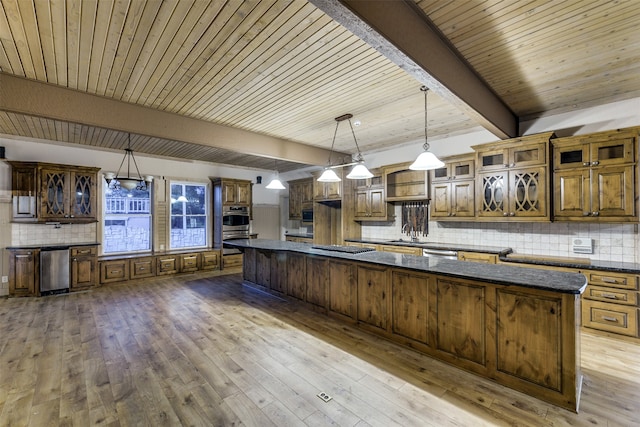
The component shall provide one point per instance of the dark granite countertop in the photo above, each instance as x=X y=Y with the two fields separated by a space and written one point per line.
x=580 y=264
x=500 y=274
x=442 y=246
x=52 y=247
x=110 y=257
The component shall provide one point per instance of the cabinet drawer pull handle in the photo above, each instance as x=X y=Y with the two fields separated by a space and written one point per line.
x=609 y=319
x=609 y=280
x=610 y=296
x=115 y=271
x=24 y=256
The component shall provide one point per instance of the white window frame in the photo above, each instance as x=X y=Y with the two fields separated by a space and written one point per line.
x=207 y=214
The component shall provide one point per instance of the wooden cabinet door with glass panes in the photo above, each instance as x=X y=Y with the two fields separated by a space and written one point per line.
x=513 y=157
x=83 y=198
x=54 y=187
x=516 y=193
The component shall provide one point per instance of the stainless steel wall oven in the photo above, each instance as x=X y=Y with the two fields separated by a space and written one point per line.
x=235 y=222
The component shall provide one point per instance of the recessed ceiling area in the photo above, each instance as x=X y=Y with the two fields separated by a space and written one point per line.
x=285 y=69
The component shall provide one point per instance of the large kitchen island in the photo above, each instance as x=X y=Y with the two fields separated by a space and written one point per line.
x=514 y=325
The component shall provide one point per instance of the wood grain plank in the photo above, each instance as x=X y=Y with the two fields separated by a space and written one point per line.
x=144 y=353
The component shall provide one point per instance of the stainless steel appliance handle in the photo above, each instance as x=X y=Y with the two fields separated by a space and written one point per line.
x=439 y=252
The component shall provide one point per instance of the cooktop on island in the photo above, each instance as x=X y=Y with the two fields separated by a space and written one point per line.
x=345 y=249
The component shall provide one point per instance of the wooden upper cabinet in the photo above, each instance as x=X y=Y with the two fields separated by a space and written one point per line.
x=514 y=153
x=57 y=192
x=24 y=185
x=453 y=189
x=594 y=176
x=404 y=184
x=513 y=179
x=455 y=168
x=327 y=191
x=236 y=192
x=300 y=195
x=370 y=201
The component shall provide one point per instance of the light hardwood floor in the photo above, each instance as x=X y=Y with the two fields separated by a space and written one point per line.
x=208 y=351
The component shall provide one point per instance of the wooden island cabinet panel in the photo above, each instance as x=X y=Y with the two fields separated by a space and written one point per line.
x=263 y=268
x=522 y=337
x=317 y=278
x=461 y=320
x=296 y=276
x=279 y=272
x=373 y=296
x=249 y=265
x=516 y=341
x=410 y=305
x=342 y=289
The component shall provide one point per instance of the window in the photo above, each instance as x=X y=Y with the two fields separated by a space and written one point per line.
x=188 y=215
x=127 y=220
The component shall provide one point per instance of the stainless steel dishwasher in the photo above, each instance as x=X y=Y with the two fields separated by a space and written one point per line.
x=54 y=270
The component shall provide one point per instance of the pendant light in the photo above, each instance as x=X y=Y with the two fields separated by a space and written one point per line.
x=426 y=160
x=359 y=171
x=129 y=182
x=275 y=183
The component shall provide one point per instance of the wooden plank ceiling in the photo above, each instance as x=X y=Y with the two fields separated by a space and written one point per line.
x=285 y=69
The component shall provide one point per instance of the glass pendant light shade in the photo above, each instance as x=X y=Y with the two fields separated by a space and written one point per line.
x=329 y=175
x=426 y=160
x=359 y=171
x=275 y=184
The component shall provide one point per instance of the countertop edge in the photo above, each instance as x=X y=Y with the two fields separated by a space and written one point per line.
x=554 y=281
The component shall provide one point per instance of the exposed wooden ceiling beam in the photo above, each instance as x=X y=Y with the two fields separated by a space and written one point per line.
x=34 y=98
x=400 y=31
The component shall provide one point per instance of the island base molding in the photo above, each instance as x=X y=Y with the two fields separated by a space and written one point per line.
x=526 y=339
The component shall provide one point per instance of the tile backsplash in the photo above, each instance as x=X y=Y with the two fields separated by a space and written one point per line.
x=23 y=234
x=612 y=242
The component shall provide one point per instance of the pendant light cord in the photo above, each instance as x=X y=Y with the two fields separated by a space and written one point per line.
x=333 y=142
x=426 y=118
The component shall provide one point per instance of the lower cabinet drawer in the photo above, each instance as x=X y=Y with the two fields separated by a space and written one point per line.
x=167 y=265
x=189 y=263
x=618 y=296
x=232 y=261
x=143 y=267
x=114 y=271
x=210 y=260
x=610 y=317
